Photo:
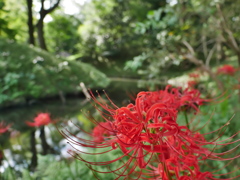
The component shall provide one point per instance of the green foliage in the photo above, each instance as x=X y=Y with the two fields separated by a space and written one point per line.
x=137 y=62
x=61 y=33
x=219 y=114
x=107 y=29
x=50 y=168
x=5 y=30
x=172 y=31
x=9 y=173
x=12 y=16
x=28 y=72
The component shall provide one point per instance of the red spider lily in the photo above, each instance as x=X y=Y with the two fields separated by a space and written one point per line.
x=226 y=69
x=191 y=84
x=101 y=131
x=193 y=81
x=40 y=120
x=191 y=99
x=173 y=169
x=149 y=136
x=194 y=75
x=172 y=98
x=4 y=127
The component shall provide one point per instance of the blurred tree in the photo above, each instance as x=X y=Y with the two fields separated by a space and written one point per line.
x=107 y=31
x=30 y=23
x=43 y=12
x=61 y=33
x=40 y=23
x=12 y=16
x=27 y=72
x=4 y=24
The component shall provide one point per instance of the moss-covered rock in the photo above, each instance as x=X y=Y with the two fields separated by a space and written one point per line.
x=29 y=72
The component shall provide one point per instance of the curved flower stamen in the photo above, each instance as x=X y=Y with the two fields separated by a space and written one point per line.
x=152 y=143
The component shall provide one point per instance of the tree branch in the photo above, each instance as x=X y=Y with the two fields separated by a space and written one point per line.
x=225 y=28
x=210 y=55
x=204 y=44
x=189 y=47
x=43 y=12
x=205 y=68
x=53 y=7
x=198 y=62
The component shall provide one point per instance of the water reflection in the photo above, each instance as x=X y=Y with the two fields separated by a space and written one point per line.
x=22 y=144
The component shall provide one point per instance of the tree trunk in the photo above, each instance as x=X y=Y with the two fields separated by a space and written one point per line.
x=1 y=157
x=30 y=23
x=43 y=141
x=40 y=32
x=40 y=24
x=45 y=147
x=33 y=164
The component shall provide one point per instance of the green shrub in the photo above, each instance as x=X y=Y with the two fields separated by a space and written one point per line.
x=29 y=72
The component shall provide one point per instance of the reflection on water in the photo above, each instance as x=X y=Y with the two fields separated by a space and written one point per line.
x=16 y=144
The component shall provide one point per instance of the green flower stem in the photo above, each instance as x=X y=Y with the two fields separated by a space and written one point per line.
x=186 y=118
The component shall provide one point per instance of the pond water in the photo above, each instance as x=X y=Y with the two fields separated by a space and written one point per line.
x=121 y=92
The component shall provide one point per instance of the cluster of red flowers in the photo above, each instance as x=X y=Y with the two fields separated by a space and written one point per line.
x=40 y=120
x=153 y=144
x=194 y=80
x=227 y=69
x=194 y=75
x=4 y=127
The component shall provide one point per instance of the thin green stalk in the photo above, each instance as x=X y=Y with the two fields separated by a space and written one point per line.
x=70 y=170
x=186 y=118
